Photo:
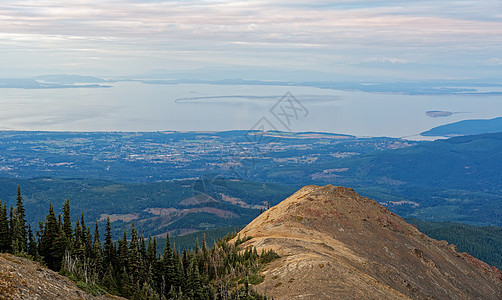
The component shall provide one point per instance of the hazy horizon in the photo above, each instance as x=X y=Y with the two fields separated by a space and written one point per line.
x=391 y=40
x=449 y=47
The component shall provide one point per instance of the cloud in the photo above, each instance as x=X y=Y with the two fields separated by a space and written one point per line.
x=129 y=35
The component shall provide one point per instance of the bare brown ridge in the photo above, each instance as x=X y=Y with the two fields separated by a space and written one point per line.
x=335 y=244
x=22 y=279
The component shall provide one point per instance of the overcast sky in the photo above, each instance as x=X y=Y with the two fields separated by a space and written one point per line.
x=120 y=37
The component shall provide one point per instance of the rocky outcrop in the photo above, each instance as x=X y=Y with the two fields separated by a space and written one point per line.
x=23 y=279
x=335 y=244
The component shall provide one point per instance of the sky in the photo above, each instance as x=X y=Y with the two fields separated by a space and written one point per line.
x=433 y=39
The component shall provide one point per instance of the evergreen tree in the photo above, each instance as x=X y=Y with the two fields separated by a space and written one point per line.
x=109 y=281
x=151 y=253
x=204 y=261
x=60 y=223
x=125 y=286
x=78 y=247
x=11 y=222
x=19 y=233
x=179 y=277
x=32 y=244
x=39 y=234
x=142 y=245
x=109 y=248
x=86 y=238
x=88 y=242
x=134 y=255
x=185 y=261
x=97 y=251
x=67 y=227
x=147 y=293
x=194 y=282
x=169 y=264
x=58 y=250
x=49 y=249
x=123 y=252
x=5 y=236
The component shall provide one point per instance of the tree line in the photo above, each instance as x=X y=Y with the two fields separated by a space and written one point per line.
x=131 y=266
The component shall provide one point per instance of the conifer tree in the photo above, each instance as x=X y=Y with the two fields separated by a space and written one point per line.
x=58 y=250
x=194 y=282
x=142 y=245
x=86 y=238
x=67 y=227
x=11 y=221
x=169 y=266
x=109 y=281
x=48 y=249
x=134 y=255
x=60 y=223
x=97 y=251
x=109 y=248
x=204 y=261
x=123 y=252
x=19 y=234
x=78 y=248
x=88 y=242
x=151 y=253
x=32 y=244
x=5 y=237
x=125 y=285
x=185 y=262
x=39 y=234
x=179 y=277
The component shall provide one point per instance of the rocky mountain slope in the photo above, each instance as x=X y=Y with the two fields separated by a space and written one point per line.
x=335 y=244
x=23 y=279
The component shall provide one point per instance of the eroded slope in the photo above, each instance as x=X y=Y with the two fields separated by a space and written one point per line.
x=335 y=244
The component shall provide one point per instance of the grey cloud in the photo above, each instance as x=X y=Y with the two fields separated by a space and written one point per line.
x=95 y=33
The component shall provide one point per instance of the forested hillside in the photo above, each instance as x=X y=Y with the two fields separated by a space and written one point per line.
x=482 y=242
x=181 y=206
x=458 y=179
x=131 y=266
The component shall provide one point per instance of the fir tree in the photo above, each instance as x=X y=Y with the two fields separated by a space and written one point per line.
x=5 y=236
x=125 y=286
x=179 y=277
x=169 y=266
x=194 y=282
x=123 y=252
x=11 y=221
x=32 y=244
x=49 y=249
x=78 y=248
x=39 y=234
x=67 y=227
x=19 y=234
x=58 y=250
x=109 y=248
x=86 y=238
x=151 y=253
x=88 y=242
x=97 y=251
x=109 y=281
x=134 y=255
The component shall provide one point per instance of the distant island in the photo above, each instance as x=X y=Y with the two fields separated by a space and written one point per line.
x=444 y=87
x=466 y=127
x=53 y=82
x=438 y=113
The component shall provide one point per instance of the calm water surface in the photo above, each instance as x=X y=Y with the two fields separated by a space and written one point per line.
x=132 y=106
